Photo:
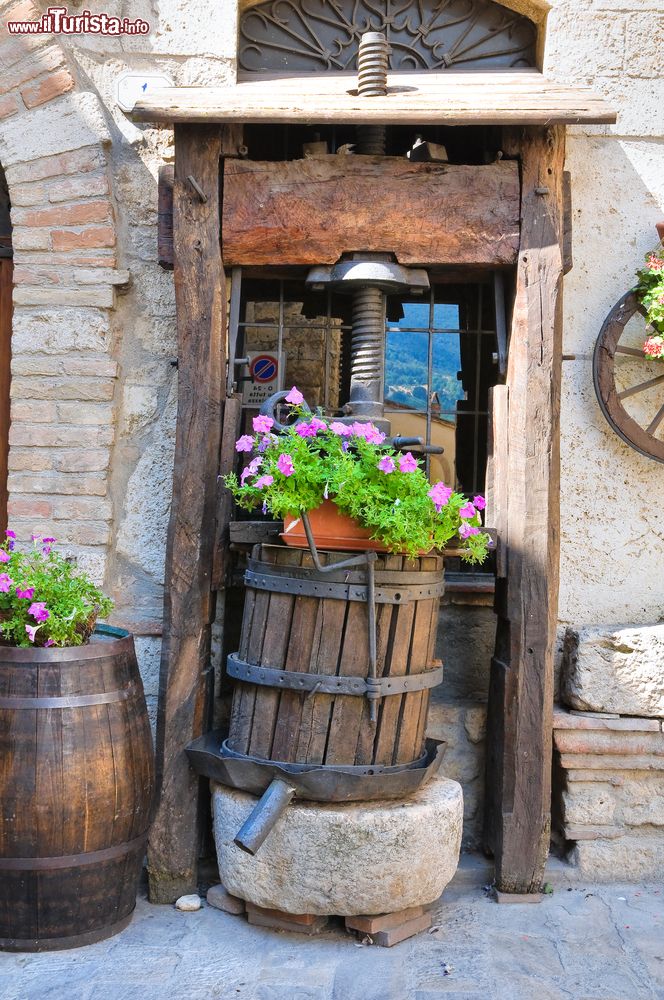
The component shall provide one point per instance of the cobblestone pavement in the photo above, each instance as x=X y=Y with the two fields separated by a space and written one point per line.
x=584 y=942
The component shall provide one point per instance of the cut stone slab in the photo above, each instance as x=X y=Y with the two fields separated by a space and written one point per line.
x=618 y=670
x=636 y=856
x=344 y=859
x=222 y=900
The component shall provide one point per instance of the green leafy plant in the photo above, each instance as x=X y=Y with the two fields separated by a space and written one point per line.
x=44 y=599
x=385 y=491
x=650 y=293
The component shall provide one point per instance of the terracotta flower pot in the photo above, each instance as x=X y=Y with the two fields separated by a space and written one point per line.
x=332 y=530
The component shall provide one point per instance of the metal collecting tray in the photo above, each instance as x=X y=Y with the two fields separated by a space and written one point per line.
x=211 y=757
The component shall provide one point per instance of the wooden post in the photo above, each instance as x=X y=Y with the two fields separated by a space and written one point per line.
x=185 y=688
x=521 y=689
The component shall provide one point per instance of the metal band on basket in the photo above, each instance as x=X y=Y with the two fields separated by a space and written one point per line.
x=367 y=687
x=342 y=590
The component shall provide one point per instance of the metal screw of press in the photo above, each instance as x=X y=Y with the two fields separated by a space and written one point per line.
x=372 y=64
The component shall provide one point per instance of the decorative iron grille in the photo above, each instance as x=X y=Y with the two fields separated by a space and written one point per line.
x=320 y=35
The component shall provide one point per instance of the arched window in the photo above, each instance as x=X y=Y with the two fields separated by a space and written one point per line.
x=319 y=35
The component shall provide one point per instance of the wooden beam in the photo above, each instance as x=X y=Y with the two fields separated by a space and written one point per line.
x=476 y=97
x=521 y=700
x=185 y=687
x=308 y=212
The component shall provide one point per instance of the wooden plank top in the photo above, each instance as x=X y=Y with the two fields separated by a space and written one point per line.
x=519 y=97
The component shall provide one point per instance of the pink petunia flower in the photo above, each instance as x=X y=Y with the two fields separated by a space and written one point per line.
x=244 y=443
x=262 y=424
x=35 y=538
x=49 y=642
x=11 y=539
x=5 y=583
x=407 y=463
x=285 y=465
x=386 y=464
x=32 y=631
x=341 y=430
x=10 y=534
x=39 y=611
x=465 y=530
x=368 y=431
x=440 y=494
x=295 y=397
x=4 y=557
x=251 y=469
x=479 y=503
x=467 y=510
x=655 y=263
x=25 y=594
x=49 y=541
x=263 y=481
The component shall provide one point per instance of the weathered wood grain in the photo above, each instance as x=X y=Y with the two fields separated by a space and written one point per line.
x=185 y=676
x=165 y=254
x=497 y=97
x=307 y=212
x=6 y=279
x=521 y=704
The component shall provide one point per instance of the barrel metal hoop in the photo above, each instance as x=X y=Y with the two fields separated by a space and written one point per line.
x=384 y=577
x=73 y=860
x=340 y=591
x=372 y=688
x=69 y=701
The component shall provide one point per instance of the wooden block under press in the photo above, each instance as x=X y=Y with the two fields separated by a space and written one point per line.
x=383 y=921
x=386 y=939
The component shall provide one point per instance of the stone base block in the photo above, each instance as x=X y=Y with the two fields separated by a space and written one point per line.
x=344 y=859
x=614 y=670
x=636 y=857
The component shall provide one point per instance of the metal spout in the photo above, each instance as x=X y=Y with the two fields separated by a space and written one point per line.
x=260 y=821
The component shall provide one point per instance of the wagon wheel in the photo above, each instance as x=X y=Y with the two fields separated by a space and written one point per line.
x=629 y=386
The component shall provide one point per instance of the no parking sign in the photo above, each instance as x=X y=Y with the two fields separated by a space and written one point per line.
x=266 y=378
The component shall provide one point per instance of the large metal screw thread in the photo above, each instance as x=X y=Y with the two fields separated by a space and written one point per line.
x=367 y=352
x=372 y=65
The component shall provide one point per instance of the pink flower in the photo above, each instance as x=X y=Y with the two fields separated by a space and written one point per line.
x=5 y=583
x=285 y=465
x=479 y=503
x=440 y=494
x=654 y=347
x=10 y=534
x=262 y=424
x=4 y=557
x=386 y=464
x=465 y=530
x=250 y=470
x=32 y=631
x=311 y=428
x=39 y=612
x=467 y=511
x=342 y=430
x=265 y=442
x=368 y=431
x=35 y=538
x=295 y=397
x=26 y=594
x=11 y=537
x=655 y=263
x=407 y=463
x=49 y=642
x=245 y=443
x=263 y=481
x=49 y=541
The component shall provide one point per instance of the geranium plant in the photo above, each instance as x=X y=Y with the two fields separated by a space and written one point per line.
x=650 y=293
x=386 y=491
x=44 y=599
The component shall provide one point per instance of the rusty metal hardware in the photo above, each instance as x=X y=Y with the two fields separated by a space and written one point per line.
x=196 y=188
x=376 y=687
x=340 y=590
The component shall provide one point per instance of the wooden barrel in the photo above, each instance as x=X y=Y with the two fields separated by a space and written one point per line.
x=287 y=627
x=76 y=790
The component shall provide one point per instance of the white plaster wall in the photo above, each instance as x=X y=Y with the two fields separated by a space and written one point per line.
x=612 y=534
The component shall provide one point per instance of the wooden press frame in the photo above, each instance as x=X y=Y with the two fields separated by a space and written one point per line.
x=523 y=487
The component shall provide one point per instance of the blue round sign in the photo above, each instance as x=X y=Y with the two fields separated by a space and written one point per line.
x=264 y=368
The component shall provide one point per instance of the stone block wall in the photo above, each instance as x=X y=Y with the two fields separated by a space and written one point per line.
x=610 y=794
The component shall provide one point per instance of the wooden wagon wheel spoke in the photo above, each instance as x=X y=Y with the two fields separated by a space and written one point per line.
x=639 y=434
x=641 y=387
x=652 y=427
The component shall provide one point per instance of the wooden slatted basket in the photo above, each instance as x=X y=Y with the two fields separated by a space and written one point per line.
x=324 y=634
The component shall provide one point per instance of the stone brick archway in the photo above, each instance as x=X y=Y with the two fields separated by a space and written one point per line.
x=53 y=148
